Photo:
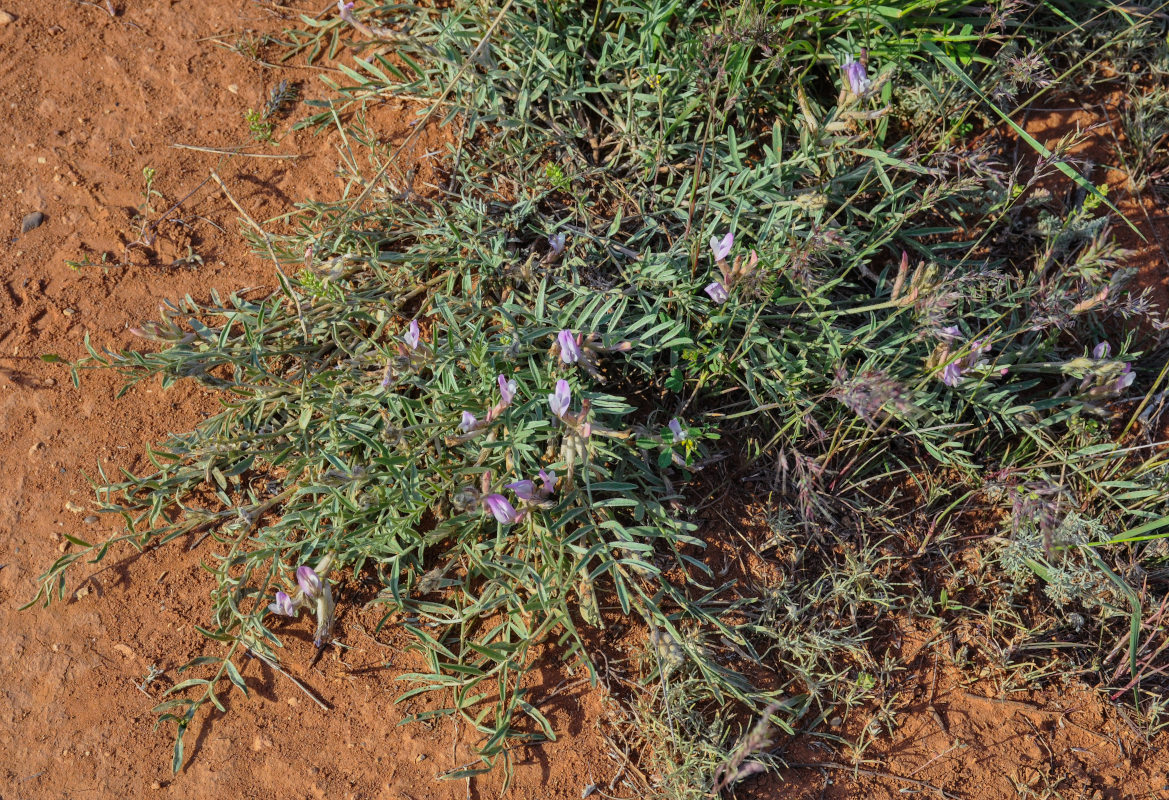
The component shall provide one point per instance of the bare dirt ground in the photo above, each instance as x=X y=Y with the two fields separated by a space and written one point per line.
x=93 y=99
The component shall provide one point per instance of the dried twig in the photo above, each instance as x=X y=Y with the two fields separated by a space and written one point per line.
x=875 y=774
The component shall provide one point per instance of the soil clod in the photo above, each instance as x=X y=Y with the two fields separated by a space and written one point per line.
x=33 y=220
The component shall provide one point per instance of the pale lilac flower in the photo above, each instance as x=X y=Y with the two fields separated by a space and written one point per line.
x=952 y=373
x=676 y=429
x=499 y=508
x=283 y=605
x=345 y=9
x=717 y=292
x=548 y=478
x=569 y=351
x=559 y=400
x=1127 y=376
x=722 y=248
x=507 y=390
x=1102 y=350
x=413 y=336
x=524 y=490
x=310 y=582
x=950 y=332
x=556 y=242
x=856 y=75
x=469 y=422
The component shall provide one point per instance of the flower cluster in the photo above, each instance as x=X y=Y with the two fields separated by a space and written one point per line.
x=314 y=594
x=471 y=424
x=956 y=368
x=529 y=493
x=1104 y=377
x=584 y=350
x=412 y=354
x=720 y=290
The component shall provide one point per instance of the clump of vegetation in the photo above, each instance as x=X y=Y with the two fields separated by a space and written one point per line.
x=673 y=237
x=262 y=123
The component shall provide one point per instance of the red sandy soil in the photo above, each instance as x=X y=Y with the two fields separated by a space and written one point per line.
x=92 y=100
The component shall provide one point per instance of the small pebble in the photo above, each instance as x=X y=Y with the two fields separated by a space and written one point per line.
x=155 y=786
x=91 y=519
x=68 y=312
x=71 y=506
x=421 y=758
x=6 y=18
x=31 y=221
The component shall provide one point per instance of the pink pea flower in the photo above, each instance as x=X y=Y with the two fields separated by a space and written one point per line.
x=310 y=582
x=1102 y=350
x=856 y=75
x=524 y=490
x=721 y=248
x=569 y=350
x=952 y=373
x=469 y=422
x=556 y=242
x=548 y=478
x=676 y=430
x=413 y=336
x=1127 y=376
x=507 y=390
x=283 y=605
x=499 y=508
x=559 y=400
x=717 y=292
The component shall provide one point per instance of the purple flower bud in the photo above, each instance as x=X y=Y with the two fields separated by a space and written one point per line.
x=856 y=75
x=569 y=351
x=310 y=582
x=676 y=429
x=952 y=374
x=556 y=242
x=524 y=490
x=413 y=336
x=717 y=292
x=722 y=248
x=283 y=605
x=469 y=422
x=507 y=390
x=950 y=332
x=499 y=508
x=559 y=400
x=1102 y=350
x=548 y=478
